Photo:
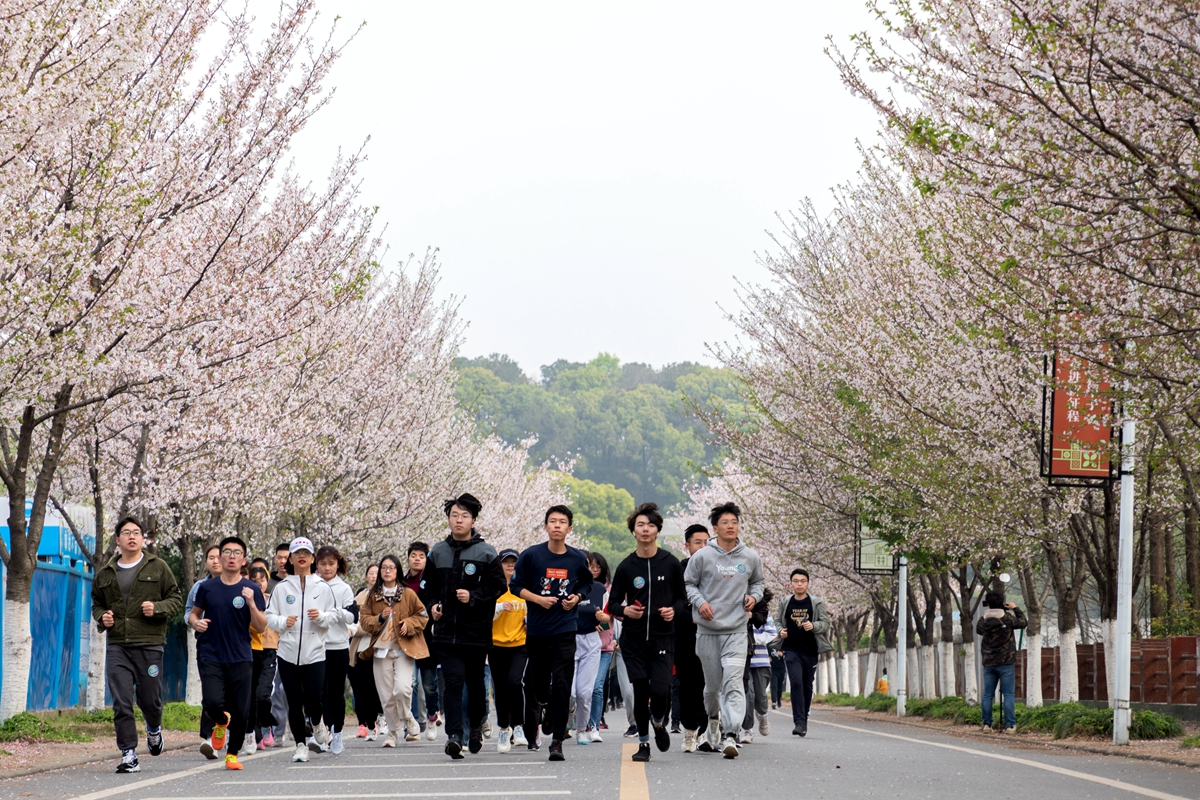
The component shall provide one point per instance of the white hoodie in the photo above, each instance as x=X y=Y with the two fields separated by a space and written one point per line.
x=304 y=642
x=337 y=637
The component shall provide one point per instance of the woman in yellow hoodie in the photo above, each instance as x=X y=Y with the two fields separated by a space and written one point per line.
x=507 y=659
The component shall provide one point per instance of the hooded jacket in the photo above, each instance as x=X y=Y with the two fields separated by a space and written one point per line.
x=304 y=642
x=998 y=646
x=723 y=579
x=472 y=565
x=344 y=614
x=153 y=581
x=655 y=582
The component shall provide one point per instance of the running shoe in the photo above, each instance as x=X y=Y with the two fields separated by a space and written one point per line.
x=231 y=762
x=321 y=734
x=603 y=724
x=362 y=732
x=746 y=737
x=268 y=738
x=702 y=745
x=301 y=753
x=154 y=742
x=675 y=727
x=390 y=739
x=594 y=735
x=206 y=750
x=335 y=744
x=556 y=753
x=689 y=740
x=316 y=746
x=583 y=738
x=381 y=726
x=431 y=728
x=218 y=734
x=730 y=748
x=631 y=731
x=372 y=734
x=487 y=727
x=475 y=742
x=764 y=725
x=662 y=739
x=643 y=752
x=545 y=720
x=249 y=748
x=454 y=747
x=518 y=737
x=129 y=762
x=713 y=735
x=413 y=729
x=504 y=743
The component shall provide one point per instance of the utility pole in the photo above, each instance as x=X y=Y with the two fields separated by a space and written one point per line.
x=902 y=641
x=1124 y=643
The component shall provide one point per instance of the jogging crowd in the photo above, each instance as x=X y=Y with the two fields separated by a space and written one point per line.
x=554 y=635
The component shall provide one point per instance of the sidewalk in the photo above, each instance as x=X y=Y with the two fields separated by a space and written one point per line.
x=30 y=758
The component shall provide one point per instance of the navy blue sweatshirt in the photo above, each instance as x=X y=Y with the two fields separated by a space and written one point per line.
x=550 y=575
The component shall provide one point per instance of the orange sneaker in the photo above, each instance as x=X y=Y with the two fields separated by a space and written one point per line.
x=231 y=762
x=218 y=734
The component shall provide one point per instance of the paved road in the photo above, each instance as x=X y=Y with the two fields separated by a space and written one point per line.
x=842 y=758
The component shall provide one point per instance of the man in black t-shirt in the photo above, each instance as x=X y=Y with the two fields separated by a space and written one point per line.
x=226 y=608
x=802 y=621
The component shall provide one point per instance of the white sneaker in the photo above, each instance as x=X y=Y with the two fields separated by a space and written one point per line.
x=413 y=729
x=321 y=733
x=381 y=726
x=583 y=737
x=746 y=737
x=249 y=747
x=316 y=746
x=371 y=735
x=594 y=735
x=518 y=737
x=689 y=740
x=764 y=725
x=301 y=753
x=730 y=748
x=430 y=730
x=713 y=734
x=390 y=739
x=487 y=727
x=335 y=744
x=504 y=744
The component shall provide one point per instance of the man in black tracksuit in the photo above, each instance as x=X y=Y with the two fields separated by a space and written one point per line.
x=464 y=577
x=688 y=668
x=648 y=594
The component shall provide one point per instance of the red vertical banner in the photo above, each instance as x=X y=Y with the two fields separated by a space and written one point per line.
x=1081 y=426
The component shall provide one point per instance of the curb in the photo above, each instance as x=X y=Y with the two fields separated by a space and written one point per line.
x=987 y=737
x=79 y=761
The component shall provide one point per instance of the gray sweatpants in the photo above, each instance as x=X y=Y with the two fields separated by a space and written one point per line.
x=723 y=657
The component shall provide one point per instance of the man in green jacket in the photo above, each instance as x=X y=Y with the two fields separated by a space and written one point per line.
x=132 y=599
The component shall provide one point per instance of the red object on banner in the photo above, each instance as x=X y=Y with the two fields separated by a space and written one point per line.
x=1080 y=427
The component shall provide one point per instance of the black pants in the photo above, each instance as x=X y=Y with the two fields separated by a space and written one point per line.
x=691 y=690
x=337 y=664
x=676 y=715
x=462 y=665
x=778 y=680
x=427 y=671
x=304 y=686
x=367 y=706
x=225 y=689
x=550 y=675
x=134 y=672
x=649 y=663
x=259 y=715
x=508 y=682
x=801 y=669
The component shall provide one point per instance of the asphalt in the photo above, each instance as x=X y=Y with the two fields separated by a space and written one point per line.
x=840 y=759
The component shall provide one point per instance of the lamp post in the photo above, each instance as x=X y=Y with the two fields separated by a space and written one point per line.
x=902 y=640
x=1124 y=643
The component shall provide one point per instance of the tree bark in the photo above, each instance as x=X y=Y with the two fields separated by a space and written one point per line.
x=1158 y=564
x=1033 y=641
x=1191 y=553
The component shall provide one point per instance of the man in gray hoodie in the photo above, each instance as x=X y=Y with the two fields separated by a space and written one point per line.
x=724 y=581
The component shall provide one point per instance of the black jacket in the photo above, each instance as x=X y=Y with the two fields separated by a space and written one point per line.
x=685 y=626
x=998 y=646
x=661 y=585
x=470 y=565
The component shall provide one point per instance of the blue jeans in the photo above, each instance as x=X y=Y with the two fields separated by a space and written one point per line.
x=598 y=692
x=1006 y=677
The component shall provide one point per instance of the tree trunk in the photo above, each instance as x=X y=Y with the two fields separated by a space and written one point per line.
x=1158 y=564
x=843 y=668
x=98 y=642
x=872 y=674
x=929 y=685
x=1033 y=640
x=1068 y=660
x=970 y=681
x=822 y=675
x=890 y=664
x=1191 y=553
x=192 y=689
x=853 y=673
x=913 y=675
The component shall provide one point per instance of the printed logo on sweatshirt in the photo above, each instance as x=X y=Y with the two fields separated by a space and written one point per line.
x=741 y=568
x=639 y=582
x=556 y=574
x=469 y=569
x=239 y=601
x=732 y=572
x=291 y=598
x=152 y=671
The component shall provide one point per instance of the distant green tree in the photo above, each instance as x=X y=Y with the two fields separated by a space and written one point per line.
x=600 y=513
x=500 y=365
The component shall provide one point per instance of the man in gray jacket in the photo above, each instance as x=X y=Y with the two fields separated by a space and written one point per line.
x=724 y=581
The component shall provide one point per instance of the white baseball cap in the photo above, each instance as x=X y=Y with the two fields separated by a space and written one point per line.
x=301 y=543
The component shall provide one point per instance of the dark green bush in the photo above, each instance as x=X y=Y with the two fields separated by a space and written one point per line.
x=1153 y=725
x=1191 y=741
x=876 y=702
x=34 y=728
x=181 y=717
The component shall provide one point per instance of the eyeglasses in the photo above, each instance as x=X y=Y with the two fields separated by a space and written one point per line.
x=228 y=552
x=130 y=532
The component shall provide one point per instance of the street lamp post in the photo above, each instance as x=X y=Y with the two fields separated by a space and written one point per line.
x=1124 y=643
x=902 y=640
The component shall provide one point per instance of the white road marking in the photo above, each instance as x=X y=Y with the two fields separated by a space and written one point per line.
x=1083 y=776
x=356 y=795
x=131 y=787
x=399 y=778
x=402 y=765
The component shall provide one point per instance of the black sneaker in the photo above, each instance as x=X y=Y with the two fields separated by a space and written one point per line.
x=475 y=743
x=545 y=720
x=154 y=742
x=643 y=751
x=533 y=746
x=704 y=746
x=662 y=739
x=630 y=731
x=675 y=728
x=129 y=763
x=556 y=753
x=730 y=748
x=804 y=729
x=454 y=747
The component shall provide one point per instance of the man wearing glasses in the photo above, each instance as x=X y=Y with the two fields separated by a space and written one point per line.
x=226 y=608
x=132 y=598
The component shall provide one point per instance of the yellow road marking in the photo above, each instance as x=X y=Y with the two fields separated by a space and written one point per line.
x=633 y=775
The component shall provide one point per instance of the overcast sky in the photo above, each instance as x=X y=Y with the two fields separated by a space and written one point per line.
x=595 y=176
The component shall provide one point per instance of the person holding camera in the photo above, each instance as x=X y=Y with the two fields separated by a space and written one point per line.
x=999 y=651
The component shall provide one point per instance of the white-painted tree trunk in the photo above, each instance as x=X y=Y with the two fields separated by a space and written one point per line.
x=96 y=663
x=843 y=674
x=970 y=678
x=872 y=671
x=949 y=684
x=852 y=663
x=913 y=673
x=891 y=665
x=1033 y=671
x=1068 y=661
x=929 y=672
x=822 y=675
x=192 y=691
x=1108 y=630
x=18 y=652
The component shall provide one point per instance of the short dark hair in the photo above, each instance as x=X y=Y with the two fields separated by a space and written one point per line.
x=467 y=502
x=722 y=510
x=329 y=551
x=650 y=512
x=798 y=571
x=564 y=510
x=994 y=599
x=692 y=530
x=417 y=546
x=231 y=540
x=125 y=521
x=259 y=560
x=602 y=563
x=283 y=546
x=256 y=571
